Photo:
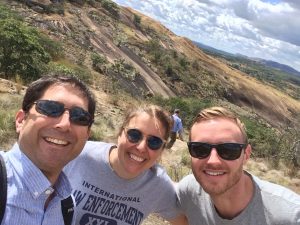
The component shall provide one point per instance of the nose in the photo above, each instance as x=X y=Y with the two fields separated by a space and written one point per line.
x=213 y=158
x=64 y=121
x=142 y=145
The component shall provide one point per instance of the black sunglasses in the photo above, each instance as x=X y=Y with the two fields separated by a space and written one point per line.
x=55 y=109
x=135 y=136
x=227 y=151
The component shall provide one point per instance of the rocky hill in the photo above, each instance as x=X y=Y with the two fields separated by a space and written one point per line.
x=148 y=59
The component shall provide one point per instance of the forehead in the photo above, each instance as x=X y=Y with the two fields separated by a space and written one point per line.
x=65 y=93
x=147 y=123
x=216 y=130
x=59 y=88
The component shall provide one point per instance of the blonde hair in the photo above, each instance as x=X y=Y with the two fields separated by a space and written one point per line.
x=220 y=112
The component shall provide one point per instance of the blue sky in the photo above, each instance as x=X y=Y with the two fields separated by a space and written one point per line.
x=268 y=29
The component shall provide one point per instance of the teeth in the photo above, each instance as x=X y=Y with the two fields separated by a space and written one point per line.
x=56 y=141
x=214 y=173
x=136 y=158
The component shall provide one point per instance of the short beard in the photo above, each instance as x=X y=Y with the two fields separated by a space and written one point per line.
x=220 y=189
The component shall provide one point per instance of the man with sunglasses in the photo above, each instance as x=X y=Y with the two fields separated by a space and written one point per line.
x=53 y=126
x=220 y=192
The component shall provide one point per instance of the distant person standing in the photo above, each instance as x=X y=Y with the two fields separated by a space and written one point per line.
x=177 y=129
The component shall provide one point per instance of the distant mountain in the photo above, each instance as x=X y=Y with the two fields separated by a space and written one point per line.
x=270 y=63
x=280 y=66
x=212 y=50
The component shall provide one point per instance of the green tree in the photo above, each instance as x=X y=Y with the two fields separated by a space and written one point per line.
x=137 y=20
x=111 y=7
x=20 y=50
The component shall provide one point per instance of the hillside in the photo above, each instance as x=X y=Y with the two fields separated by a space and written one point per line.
x=142 y=59
x=280 y=76
x=162 y=63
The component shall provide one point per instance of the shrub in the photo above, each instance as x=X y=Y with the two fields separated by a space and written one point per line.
x=137 y=20
x=22 y=52
x=54 y=48
x=124 y=69
x=71 y=70
x=99 y=62
x=111 y=7
x=8 y=108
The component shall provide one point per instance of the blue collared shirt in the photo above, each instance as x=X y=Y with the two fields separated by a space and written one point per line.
x=28 y=190
x=177 y=125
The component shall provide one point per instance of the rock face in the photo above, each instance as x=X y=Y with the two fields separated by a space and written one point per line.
x=45 y=6
x=155 y=54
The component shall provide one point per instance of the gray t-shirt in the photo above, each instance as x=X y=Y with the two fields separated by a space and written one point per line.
x=102 y=197
x=271 y=205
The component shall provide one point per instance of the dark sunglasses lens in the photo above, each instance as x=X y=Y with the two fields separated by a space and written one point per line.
x=199 y=150
x=230 y=151
x=154 y=142
x=49 y=108
x=134 y=135
x=80 y=117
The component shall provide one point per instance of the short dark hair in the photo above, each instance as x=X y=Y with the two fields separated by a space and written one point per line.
x=176 y=111
x=37 y=88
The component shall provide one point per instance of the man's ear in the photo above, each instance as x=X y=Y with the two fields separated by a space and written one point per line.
x=247 y=154
x=20 y=119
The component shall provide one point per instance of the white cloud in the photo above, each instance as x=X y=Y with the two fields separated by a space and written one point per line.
x=258 y=28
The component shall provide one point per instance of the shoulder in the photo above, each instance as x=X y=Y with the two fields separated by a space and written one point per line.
x=92 y=153
x=157 y=178
x=187 y=184
x=92 y=148
x=96 y=145
x=188 y=180
x=278 y=193
x=159 y=173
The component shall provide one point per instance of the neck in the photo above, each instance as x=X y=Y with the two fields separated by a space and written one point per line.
x=52 y=177
x=115 y=164
x=231 y=203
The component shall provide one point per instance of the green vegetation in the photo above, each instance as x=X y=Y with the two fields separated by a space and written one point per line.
x=179 y=70
x=20 y=51
x=124 y=69
x=111 y=7
x=8 y=108
x=99 y=62
x=189 y=107
x=24 y=52
x=108 y=5
x=137 y=20
x=66 y=68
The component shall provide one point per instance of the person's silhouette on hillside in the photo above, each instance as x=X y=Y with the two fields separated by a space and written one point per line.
x=177 y=129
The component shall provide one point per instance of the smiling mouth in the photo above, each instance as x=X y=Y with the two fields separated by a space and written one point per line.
x=136 y=158
x=211 y=173
x=56 y=141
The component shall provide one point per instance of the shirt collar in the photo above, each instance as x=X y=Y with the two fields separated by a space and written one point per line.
x=32 y=177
